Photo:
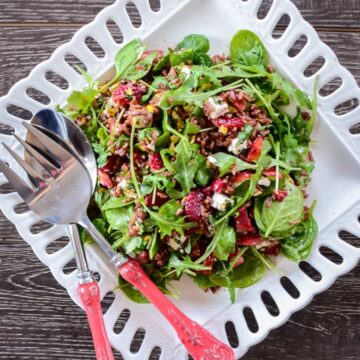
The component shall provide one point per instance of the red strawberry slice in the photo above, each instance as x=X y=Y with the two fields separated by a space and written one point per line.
x=250 y=240
x=160 y=199
x=218 y=186
x=280 y=195
x=271 y=173
x=155 y=161
x=243 y=223
x=193 y=203
x=209 y=261
x=273 y=249
x=234 y=123
x=255 y=151
x=105 y=179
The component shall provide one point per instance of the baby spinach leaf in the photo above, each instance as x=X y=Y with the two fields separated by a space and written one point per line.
x=115 y=203
x=226 y=243
x=298 y=246
x=219 y=232
x=226 y=162
x=244 y=275
x=184 y=265
x=246 y=48
x=198 y=43
x=281 y=216
x=141 y=68
x=163 y=63
x=119 y=218
x=82 y=100
x=127 y=56
x=202 y=281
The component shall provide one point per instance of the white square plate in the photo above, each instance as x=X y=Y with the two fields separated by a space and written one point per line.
x=335 y=182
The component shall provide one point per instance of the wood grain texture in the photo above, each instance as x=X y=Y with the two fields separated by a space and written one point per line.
x=37 y=318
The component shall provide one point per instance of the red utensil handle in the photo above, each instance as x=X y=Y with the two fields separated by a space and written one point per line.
x=90 y=297
x=198 y=341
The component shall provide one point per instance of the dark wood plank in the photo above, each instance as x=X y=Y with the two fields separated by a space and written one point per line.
x=325 y=13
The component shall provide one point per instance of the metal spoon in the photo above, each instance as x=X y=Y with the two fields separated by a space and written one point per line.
x=64 y=132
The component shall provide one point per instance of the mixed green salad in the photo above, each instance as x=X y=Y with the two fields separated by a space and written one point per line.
x=203 y=162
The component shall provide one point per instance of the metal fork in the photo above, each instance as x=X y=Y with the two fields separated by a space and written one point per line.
x=60 y=195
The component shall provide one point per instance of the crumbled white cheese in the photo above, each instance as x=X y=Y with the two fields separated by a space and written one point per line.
x=186 y=71
x=212 y=160
x=123 y=184
x=216 y=107
x=235 y=148
x=220 y=201
x=151 y=147
x=264 y=182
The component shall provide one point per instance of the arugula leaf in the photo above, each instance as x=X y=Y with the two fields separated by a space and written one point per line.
x=297 y=247
x=154 y=245
x=184 y=265
x=226 y=162
x=141 y=68
x=127 y=56
x=226 y=243
x=163 y=63
x=167 y=220
x=279 y=217
x=102 y=154
x=185 y=167
x=156 y=181
x=246 y=48
x=196 y=42
x=119 y=218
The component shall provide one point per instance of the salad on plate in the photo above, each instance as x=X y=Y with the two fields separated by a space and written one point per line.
x=203 y=162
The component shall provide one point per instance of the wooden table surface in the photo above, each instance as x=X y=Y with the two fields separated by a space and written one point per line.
x=37 y=318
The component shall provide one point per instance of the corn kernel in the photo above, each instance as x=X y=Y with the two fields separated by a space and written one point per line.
x=172 y=147
x=147 y=238
x=180 y=124
x=223 y=129
x=174 y=139
x=175 y=115
x=150 y=108
x=128 y=92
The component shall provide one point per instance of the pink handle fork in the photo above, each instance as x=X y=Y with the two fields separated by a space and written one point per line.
x=90 y=297
x=198 y=341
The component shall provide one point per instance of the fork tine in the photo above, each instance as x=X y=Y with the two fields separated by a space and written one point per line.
x=35 y=178
x=20 y=186
x=42 y=160
x=55 y=150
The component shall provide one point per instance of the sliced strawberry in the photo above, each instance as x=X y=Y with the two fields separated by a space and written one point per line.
x=193 y=203
x=239 y=261
x=160 y=199
x=280 y=195
x=271 y=173
x=142 y=257
x=110 y=165
x=273 y=249
x=234 y=123
x=105 y=179
x=155 y=161
x=243 y=223
x=255 y=151
x=249 y=240
x=209 y=261
x=218 y=186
